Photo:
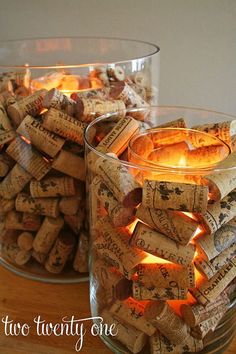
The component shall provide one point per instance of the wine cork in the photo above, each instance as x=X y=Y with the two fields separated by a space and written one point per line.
x=6 y=205
x=177 y=123
x=175 y=196
x=210 y=324
x=100 y=93
x=170 y=154
x=114 y=246
x=64 y=125
x=154 y=242
x=164 y=275
x=47 y=234
x=40 y=206
x=22 y=257
x=10 y=251
x=7 y=236
x=25 y=241
x=119 y=215
x=163 y=317
x=132 y=338
x=22 y=221
x=56 y=99
x=49 y=81
x=163 y=137
x=210 y=246
x=81 y=258
x=141 y=292
x=14 y=182
x=122 y=91
x=7 y=132
x=119 y=181
x=222 y=130
x=28 y=158
x=176 y=226
x=208 y=290
x=206 y=155
x=197 y=313
x=4 y=166
x=41 y=138
x=70 y=205
x=131 y=312
x=53 y=187
x=87 y=109
x=219 y=213
x=31 y=105
x=39 y=257
x=60 y=253
x=70 y=164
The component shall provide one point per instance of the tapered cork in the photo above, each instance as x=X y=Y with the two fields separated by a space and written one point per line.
x=40 y=206
x=87 y=109
x=119 y=215
x=132 y=338
x=175 y=196
x=80 y=263
x=141 y=292
x=163 y=317
x=119 y=181
x=70 y=205
x=22 y=221
x=208 y=290
x=210 y=246
x=131 y=312
x=159 y=344
x=53 y=187
x=25 y=241
x=31 y=105
x=195 y=314
x=219 y=213
x=7 y=132
x=70 y=164
x=154 y=242
x=75 y=222
x=176 y=226
x=169 y=155
x=47 y=234
x=56 y=99
x=165 y=275
x=40 y=137
x=6 y=205
x=60 y=253
x=64 y=125
x=28 y=158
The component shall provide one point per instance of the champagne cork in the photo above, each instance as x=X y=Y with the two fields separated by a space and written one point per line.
x=39 y=257
x=208 y=290
x=22 y=221
x=210 y=268
x=70 y=205
x=163 y=317
x=87 y=109
x=28 y=158
x=14 y=182
x=119 y=215
x=176 y=226
x=219 y=213
x=177 y=123
x=56 y=99
x=64 y=125
x=6 y=205
x=141 y=292
x=164 y=275
x=25 y=241
x=22 y=257
x=47 y=234
x=154 y=242
x=197 y=313
x=81 y=258
x=114 y=246
x=70 y=164
x=41 y=138
x=210 y=246
x=175 y=196
x=53 y=187
x=60 y=253
x=7 y=132
x=40 y=206
x=222 y=130
x=31 y=105
x=131 y=312
x=170 y=154
x=132 y=338
x=119 y=181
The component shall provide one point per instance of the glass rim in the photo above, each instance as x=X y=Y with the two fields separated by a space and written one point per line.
x=156 y=49
x=153 y=168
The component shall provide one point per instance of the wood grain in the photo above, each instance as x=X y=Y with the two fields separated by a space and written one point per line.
x=22 y=300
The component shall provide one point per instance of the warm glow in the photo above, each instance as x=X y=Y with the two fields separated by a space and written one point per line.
x=25 y=140
x=182 y=161
x=150 y=259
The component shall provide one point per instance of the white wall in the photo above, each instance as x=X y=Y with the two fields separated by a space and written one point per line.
x=197 y=38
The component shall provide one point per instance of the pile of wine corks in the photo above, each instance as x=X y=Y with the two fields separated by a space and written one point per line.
x=164 y=252
x=42 y=166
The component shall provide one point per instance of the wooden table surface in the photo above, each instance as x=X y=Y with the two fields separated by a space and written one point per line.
x=23 y=300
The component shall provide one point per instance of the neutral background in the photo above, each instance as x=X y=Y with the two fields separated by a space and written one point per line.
x=197 y=38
